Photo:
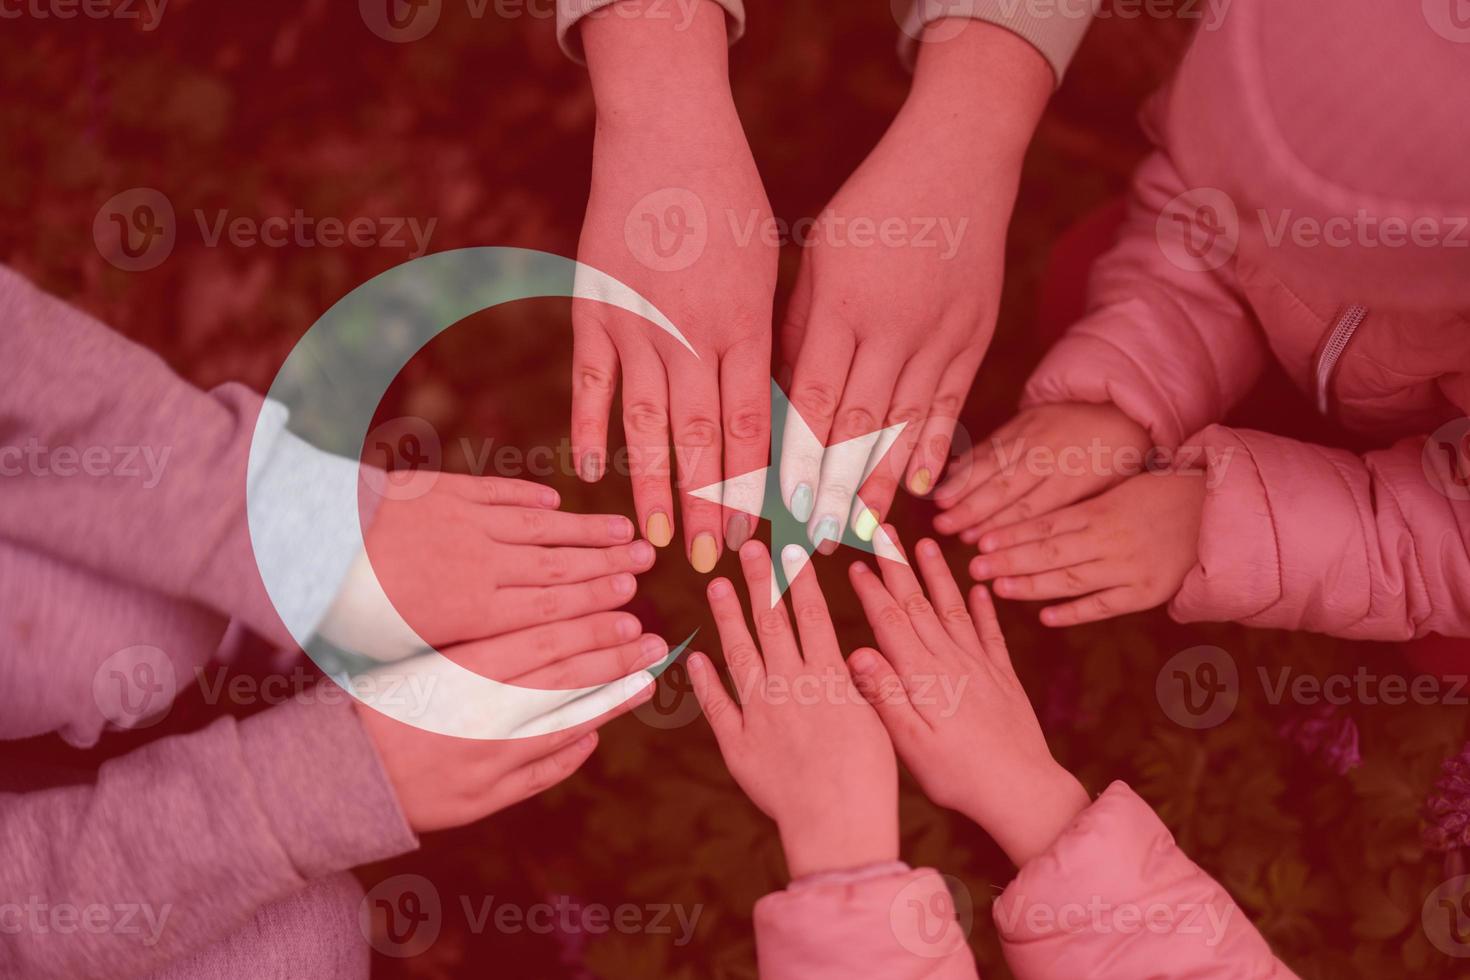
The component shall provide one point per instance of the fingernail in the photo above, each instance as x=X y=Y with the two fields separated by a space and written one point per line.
x=625 y=584
x=641 y=552
x=1048 y=618
x=928 y=548
x=859 y=568
x=826 y=531
x=658 y=531
x=865 y=525
x=654 y=649
x=921 y=481
x=586 y=742
x=980 y=568
x=793 y=554
x=801 y=502
x=550 y=498
x=704 y=554
x=737 y=530
x=628 y=627
x=591 y=466
x=989 y=543
x=719 y=588
x=944 y=524
x=619 y=528
x=863 y=661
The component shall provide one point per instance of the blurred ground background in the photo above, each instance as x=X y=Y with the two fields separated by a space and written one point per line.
x=266 y=107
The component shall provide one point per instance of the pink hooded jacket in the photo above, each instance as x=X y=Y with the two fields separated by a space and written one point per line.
x=1113 y=897
x=1323 y=149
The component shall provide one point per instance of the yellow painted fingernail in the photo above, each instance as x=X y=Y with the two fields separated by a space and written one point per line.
x=921 y=481
x=658 y=530
x=865 y=525
x=704 y=554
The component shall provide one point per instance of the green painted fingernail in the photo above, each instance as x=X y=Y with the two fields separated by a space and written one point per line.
x=801 y=502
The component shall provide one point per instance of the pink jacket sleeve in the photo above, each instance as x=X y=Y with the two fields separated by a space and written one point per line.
x=884 y=921
x=1114 y=897
x=1174 y=347
x=1297 y=536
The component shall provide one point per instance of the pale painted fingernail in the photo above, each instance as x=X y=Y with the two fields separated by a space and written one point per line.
x=658 y=531
x=793 y=555
x=801 y=502
x=705 y=553
x=591 y=468
x=921 y=481
x=737 y=530
x=865 y=525
x=654 y=649
x=719 y=588
x=826 y=531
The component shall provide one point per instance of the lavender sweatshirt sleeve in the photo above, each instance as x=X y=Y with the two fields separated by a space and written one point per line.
x=113 y=462
x=179 y=843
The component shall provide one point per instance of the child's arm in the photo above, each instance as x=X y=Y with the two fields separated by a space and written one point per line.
x=1168 y=346
x=114 y=463
x=1102 y=891
x=807 y=749
x=1298 y=536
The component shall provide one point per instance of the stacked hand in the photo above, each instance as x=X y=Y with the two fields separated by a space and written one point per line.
x=799 y=740
x=490 y=572
x=678 y=213
x=896 y=299
x=1125 y=547
x=976 y=745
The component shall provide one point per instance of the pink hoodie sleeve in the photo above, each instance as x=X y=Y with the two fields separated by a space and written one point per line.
x=1114 y=897
x=1173 y=347
x=189 y=837
x=1297 y=536
x=884 y=921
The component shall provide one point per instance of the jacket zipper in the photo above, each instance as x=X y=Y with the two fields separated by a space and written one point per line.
x=1337 y=341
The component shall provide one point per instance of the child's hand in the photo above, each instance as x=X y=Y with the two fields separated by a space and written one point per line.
x=1046 y=457
x=442 y=781
x=1124 y=551
x=945 y=690
x=475 y=557
x=801 y=742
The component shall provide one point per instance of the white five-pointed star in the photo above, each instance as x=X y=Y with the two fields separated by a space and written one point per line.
x=749 y=493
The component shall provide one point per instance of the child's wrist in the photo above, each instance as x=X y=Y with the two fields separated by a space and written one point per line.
x=1034 y=817
x=812 y=850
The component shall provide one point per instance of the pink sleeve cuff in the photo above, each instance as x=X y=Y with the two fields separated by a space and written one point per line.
x=880 y=921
